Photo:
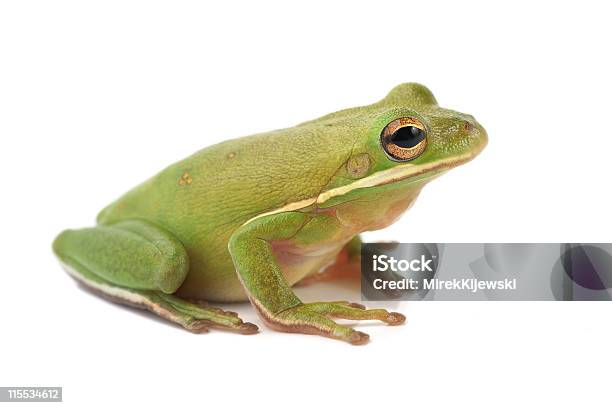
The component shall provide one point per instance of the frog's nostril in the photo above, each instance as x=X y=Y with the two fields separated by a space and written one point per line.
x=468 y=126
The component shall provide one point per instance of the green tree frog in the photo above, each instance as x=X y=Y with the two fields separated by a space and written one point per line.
x=249 y=218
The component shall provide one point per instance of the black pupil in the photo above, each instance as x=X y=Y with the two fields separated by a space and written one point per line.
x=407 y=137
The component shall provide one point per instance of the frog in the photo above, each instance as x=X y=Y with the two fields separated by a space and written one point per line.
x=249 y=218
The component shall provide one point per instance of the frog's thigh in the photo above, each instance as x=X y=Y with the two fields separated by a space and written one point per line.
x=133 y=254
x=137 y=263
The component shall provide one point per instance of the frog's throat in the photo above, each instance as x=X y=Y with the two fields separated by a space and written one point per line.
x=394 y=174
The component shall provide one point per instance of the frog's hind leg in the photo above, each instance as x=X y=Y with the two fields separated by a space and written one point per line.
x=194 y=317
x=138 y=264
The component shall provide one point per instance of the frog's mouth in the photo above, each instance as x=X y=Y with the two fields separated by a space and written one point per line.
x=395 y=174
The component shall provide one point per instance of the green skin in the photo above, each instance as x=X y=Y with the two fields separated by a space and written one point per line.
x=248 y=218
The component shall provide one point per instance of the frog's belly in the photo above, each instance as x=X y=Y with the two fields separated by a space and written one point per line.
x=219 y=281
x=297 y=263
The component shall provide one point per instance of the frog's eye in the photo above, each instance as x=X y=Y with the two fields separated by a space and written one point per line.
x=404 y=139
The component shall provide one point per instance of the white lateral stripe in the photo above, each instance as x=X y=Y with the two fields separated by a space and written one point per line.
x=397 y=173
x=109 y=290
x=125 y=295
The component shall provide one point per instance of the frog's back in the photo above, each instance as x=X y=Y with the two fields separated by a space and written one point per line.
x=227 y=184
x=205 y=197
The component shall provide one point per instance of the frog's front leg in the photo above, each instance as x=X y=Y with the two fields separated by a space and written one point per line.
x=139 y=264
x=251 y=250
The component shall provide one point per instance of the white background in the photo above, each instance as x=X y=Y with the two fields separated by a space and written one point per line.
x=95 y=97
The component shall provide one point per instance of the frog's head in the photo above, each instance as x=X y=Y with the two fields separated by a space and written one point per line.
x=405 y=139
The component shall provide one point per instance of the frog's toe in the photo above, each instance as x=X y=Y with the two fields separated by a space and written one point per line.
x=248 y=328
x=199 y=319
x=395 y=319
x=197 y=326
x=358 y=338
x=356 y=305
x=302 y=319
x=356 y=311
x=203 y=326
x=316 y=318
